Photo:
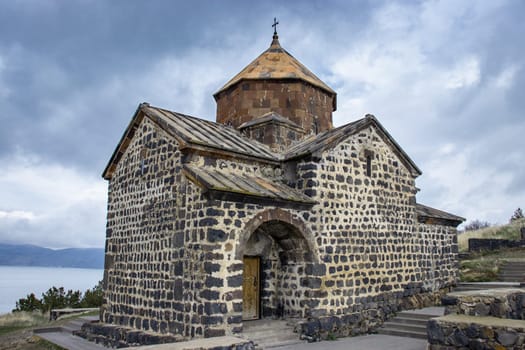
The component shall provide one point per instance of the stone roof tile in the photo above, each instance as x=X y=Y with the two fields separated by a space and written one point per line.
x=424 y=212
x=245 y=185
x=276 y=63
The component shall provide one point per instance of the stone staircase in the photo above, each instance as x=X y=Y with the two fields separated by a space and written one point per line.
x=63 y=334
x=267 y=333
x=469 y=286
x=512 y=271
x=411 y=324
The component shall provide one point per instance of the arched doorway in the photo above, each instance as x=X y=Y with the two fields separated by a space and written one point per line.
x=276 y=255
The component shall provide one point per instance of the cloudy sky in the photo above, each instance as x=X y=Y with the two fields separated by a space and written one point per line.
x=446 y=78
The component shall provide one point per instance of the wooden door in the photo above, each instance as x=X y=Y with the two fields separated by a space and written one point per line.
x=251 y=288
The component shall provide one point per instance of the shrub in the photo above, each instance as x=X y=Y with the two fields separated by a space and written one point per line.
x=58 y=298
x=518 y=214
x=93 y=297
x=30 y=303
x=476 y=225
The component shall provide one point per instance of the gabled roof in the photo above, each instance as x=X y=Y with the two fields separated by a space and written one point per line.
x=277 y=63
x=212 y=137
x=270 y=117
x=257 y=187
x=428 y=214
x=191 y=132
x=325 y=140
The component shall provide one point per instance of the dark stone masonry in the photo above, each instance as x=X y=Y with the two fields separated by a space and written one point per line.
x=269 y=213
x=488 y=244
x=485 y=319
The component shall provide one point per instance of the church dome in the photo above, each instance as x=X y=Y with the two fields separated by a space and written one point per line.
x=276 y=83
x=277 y=64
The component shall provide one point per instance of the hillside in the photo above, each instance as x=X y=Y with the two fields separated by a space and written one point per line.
x=30 y=255
x=508 y=231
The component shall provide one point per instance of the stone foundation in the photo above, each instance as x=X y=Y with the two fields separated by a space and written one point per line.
x=122 y=337
x=367 y=316
x=487 y=319
x=502 y=303
x=471 y=332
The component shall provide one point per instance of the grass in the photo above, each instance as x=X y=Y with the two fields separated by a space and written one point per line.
x=16 y=330
x=509 y=231
x=484 y=267
x=37 y=343
x=21 y=320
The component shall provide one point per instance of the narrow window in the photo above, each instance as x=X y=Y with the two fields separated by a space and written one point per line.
x=142 y=167
x=369 y=156
x=143 y=164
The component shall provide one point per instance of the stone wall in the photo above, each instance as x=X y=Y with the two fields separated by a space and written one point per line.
x=436 y=256
x=470 y=332
x=307 y=106
x=502 y=303
x=371 y=315
x=276 y=135
x=365 y=223
x=483 y=319
x=142 y=281
x=481 y=244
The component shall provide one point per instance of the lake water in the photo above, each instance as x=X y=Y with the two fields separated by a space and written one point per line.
x=18 y=281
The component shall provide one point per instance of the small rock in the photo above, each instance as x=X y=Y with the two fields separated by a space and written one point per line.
x=507 y=338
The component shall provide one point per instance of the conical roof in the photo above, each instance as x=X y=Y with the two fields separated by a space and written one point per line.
x=276 y=63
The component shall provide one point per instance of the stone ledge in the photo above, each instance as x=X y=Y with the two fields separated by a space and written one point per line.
x=499 y=302
x=483 y=321
x=474 y=332
x=121 y=337
x=496 y=292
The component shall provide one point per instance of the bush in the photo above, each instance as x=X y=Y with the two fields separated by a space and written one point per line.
x=518 y=214
x=93 y=297
x=58 y=298
x=30 y=303
x=476 y=225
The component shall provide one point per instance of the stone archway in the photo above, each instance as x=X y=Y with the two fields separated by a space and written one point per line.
x=286 y=251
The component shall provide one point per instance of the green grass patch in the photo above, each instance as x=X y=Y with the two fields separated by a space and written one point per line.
x=485 y=266
x=45 y=345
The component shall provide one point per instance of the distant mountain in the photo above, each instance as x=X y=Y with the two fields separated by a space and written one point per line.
x=30 y=255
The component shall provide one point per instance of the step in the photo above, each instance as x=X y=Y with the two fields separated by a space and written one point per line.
x=270 y=335
x=274 y=341
x=410 y=320
x=459 y=289
x=268 y=331
x=401 y=333
x=68 y=329
x=465 y=286
x=408 y=314
x=512 y=267
x=283 y=343
x=405 y=327
x=69 y=341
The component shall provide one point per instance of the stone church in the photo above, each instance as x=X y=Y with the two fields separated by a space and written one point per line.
x=269 y=212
